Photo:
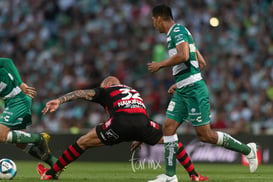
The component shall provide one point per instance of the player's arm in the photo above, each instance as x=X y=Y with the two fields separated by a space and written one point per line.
x=53 y=105
x=182 y=55
x=77 y=94
x=201 y=60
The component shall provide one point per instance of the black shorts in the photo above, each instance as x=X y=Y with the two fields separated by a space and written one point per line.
x=129 y=127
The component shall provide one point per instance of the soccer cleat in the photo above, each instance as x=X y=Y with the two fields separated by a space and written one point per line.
x=165 y=178
x=252 y=157
x=199 y=178
x=42 y=172
x=43 y=146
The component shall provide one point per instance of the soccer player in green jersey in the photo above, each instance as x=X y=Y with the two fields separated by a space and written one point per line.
x=190 y=100
x=16 y=115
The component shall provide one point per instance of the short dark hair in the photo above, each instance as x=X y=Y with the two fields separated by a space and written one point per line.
x=162 y=10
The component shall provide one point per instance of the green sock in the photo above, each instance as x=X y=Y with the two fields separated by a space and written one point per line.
x=171 y=148
x=17 y=136
x=231 y=143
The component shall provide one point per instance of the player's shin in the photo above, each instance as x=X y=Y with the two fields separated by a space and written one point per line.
x=171 y=147
x=185 y=160
x=72 y=153
x=229 y=142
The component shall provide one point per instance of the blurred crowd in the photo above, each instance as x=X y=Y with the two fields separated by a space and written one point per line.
x=62 y=45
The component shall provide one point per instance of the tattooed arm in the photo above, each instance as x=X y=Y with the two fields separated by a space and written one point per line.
x=77 y=94
x=53 y=105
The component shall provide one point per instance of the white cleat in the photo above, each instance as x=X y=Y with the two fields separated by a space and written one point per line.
x=252 y=157
x=165 y=178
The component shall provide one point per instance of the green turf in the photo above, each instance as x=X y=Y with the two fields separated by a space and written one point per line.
x=123 y=172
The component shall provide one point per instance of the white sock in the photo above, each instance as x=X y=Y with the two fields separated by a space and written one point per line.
x=220 y=139
x=9 y=137
x=171 y=138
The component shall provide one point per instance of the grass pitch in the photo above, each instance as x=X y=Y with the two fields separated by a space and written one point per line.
x=125 y=172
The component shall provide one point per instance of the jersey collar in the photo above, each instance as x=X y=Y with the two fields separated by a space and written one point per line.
x=170 y=29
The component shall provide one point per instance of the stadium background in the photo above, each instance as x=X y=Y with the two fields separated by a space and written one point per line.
x=62 y=45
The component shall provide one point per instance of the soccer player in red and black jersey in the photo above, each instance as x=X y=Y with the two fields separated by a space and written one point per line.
x=128 y=121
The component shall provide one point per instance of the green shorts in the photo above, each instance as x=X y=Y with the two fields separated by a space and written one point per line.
x=190 y=104
x=17 y=112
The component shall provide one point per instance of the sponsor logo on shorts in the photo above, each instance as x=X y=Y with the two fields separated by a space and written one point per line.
x=171 y=106
x=111 y=134
x=199 y=119
x=193 y=112
x=7 y=112
x=6 y=118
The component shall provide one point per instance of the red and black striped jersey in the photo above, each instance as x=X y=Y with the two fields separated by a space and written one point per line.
x=120 y=98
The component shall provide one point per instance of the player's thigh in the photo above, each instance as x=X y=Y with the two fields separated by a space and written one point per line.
x=199 y=106
x=89 y=140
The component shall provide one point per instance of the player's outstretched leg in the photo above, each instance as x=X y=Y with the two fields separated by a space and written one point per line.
x=34 y=144
x=185 y=161
x=72 y=153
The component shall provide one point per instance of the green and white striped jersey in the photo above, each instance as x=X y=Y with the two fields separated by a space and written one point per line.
x=8 y=88
x=187 y=72
x=9 y=79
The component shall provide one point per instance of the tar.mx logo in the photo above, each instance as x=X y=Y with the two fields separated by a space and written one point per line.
x=142 y=164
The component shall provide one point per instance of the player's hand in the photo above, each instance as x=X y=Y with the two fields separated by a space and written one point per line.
x=172 y=89
x=153 y=66
x=51 y=106
x=135 y=145
x=30 y=91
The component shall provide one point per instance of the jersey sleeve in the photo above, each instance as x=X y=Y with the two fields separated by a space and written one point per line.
x=10 y=67
x=98 y=93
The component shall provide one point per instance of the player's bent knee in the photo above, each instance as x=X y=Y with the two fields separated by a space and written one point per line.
x=88 y=141
x=83 y=142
